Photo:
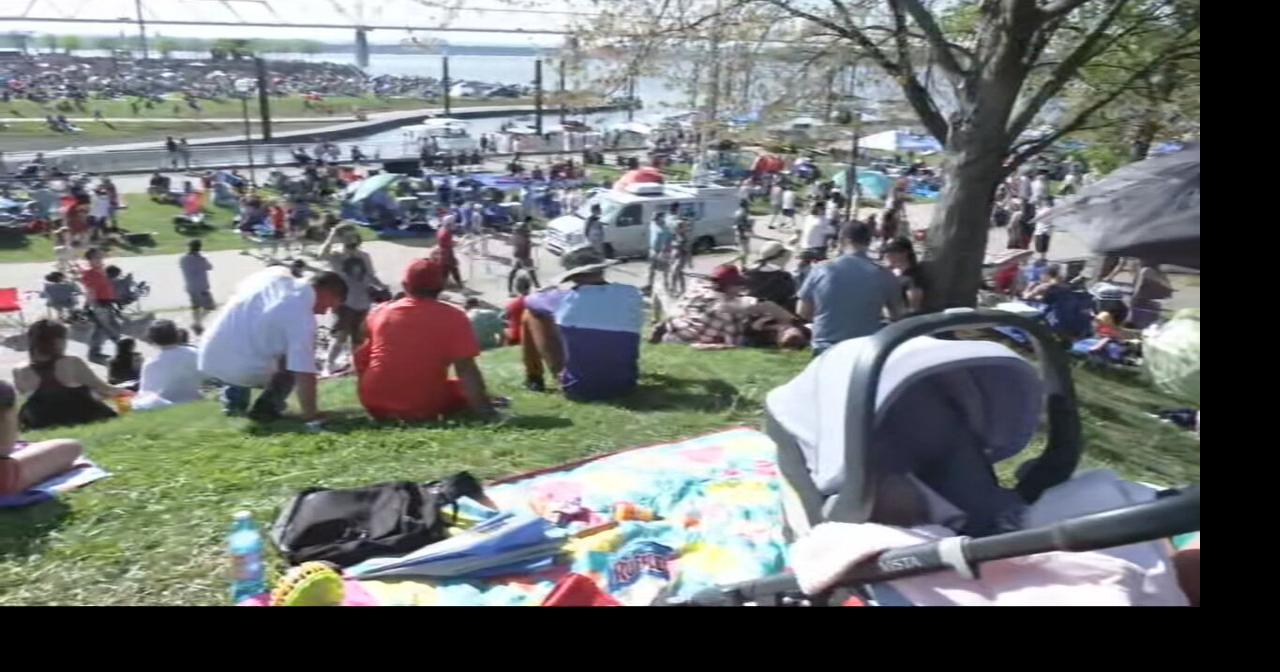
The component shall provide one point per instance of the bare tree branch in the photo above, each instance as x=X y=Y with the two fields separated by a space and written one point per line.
x=1060 y=8
x=933 y=33
x=1065 y=70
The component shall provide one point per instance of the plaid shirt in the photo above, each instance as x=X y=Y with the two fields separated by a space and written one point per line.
x=708 y=316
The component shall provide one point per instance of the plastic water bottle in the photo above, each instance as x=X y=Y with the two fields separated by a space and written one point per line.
x=248 y=574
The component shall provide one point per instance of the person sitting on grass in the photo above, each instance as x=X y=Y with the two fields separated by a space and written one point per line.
x=172 y=375
x=60 y=389
x=514 y=311
x=126 y=366
x=486 y=323
x=403 y=364
x=22 y=464
x=588 y=333
x=709 y=316
x=266 y=338
x=1049 y=284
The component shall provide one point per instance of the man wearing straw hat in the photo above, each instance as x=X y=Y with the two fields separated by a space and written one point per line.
x=587 y=333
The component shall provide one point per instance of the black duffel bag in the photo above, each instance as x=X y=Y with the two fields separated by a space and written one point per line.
x=346 y=527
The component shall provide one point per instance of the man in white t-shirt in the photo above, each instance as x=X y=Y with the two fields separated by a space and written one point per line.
x=266 y=337
x=788 y=206
x=817 y=234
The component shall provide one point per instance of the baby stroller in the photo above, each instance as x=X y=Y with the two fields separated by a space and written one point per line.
x=129 y=294
x=860 y=453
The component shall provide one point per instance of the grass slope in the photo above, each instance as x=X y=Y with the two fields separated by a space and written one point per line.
x=142 y=215
x=153 y=532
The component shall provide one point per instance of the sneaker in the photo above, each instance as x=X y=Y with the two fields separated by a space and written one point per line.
x=535 y=385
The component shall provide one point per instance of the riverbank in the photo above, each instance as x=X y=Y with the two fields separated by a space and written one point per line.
x=25 y=129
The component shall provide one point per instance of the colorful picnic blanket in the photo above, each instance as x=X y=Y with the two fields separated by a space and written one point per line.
x=718 y=500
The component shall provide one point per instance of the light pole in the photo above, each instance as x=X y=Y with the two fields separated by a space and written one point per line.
x=244 y=87
x=851 y=117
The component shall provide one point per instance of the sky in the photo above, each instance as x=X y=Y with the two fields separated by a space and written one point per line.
x=524 y=14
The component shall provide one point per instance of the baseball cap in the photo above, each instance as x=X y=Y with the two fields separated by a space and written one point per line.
x=424 y=275
x=727 y=275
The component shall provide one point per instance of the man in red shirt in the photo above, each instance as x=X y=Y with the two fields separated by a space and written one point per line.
x=444 y=248
x=404 y=361
x=101 y=295
x=515 y=310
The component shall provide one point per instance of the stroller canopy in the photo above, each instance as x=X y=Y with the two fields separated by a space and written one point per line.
x=934 y=397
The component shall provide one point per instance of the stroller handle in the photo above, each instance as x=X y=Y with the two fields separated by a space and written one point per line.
x=854 y=501
x=1159 y=519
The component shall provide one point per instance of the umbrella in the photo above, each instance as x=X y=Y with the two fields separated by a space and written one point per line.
x=507 y=543
x=373 y=185
x=1149 y=210
x=647 y=174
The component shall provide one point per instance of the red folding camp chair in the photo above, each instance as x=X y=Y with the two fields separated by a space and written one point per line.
x=11 y=307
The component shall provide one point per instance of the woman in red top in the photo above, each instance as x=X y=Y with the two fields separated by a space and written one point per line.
x=279 y=221
x=76 y=216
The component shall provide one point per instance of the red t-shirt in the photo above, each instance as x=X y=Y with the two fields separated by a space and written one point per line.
x=404 y=361
x=278 y=220
x=515 y=313
x=96 y=284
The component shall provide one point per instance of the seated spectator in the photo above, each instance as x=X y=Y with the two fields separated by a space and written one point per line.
x=514 y=312
x=710 y=315
x=587 y=334
x=1050 y=282
x=126 y=366
x=412 y=342
x=171 y=376
x=22 y=464
x=901 y=256
x=767 y=278
x=60 y=389
x=59 y=294
x=850 y=296
x=486 y=323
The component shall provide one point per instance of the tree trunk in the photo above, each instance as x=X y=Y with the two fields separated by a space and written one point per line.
x=957 y=239
x=1143 y=135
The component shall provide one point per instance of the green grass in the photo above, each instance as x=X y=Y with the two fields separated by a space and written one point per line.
x=25 y=119
x=153 y=532
x=142 y=215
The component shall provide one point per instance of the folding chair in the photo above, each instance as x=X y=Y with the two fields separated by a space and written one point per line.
x=11 y=307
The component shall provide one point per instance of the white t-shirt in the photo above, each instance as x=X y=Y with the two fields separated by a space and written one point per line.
x=100 y=206
x=271 y=316
x=816 y=232
x=1039 y=190
x=788 y=200
x=173 y=375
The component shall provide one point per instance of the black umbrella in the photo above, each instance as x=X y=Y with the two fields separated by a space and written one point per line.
x=1149 y=210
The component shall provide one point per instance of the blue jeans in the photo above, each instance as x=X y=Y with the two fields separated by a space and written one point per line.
x=272 y=402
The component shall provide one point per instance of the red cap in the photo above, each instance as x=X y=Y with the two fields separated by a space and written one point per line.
x=727 y=275
x=424 y=275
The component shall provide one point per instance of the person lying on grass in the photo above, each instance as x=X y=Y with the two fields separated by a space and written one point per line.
x=411 y=343
x=266 y=338
x=22 y=464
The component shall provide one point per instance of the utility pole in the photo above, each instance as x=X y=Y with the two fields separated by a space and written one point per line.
x=631 y=96
x=445 y=83
x=563 y=110
x=537 y=95
x=264 y=99
x=142 y=28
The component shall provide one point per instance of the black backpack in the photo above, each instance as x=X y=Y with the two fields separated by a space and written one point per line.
x=346 y=527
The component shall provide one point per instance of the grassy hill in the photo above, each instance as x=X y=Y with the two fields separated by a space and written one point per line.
x=153 y=532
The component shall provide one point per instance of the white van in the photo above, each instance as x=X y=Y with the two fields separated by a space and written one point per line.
x=626 y=216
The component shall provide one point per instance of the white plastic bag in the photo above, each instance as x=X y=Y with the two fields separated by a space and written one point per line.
x=1171 y=353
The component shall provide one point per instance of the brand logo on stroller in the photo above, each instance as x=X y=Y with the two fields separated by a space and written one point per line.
x=892 y=564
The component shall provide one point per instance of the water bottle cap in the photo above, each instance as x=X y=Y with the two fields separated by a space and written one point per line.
x=243 y=515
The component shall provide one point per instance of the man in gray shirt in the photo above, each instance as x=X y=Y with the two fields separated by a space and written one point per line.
x=195 y=275
x=848 y=297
